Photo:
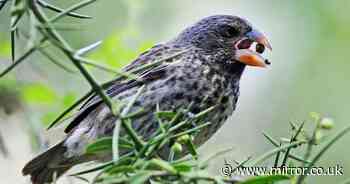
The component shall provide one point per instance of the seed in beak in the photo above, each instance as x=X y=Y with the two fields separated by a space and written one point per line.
x=260 y=48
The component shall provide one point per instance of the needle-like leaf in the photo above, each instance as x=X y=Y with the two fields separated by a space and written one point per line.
x=69 y=109
x=107 y=69
x=274 y=151
x=277 y=157
x=88 y=48
x=55 y=61
x=275 y=143
x=59 y=10
x=293 y=139
x=71 y=9
x=18 y=61
x=3 y=3
x=13 y=41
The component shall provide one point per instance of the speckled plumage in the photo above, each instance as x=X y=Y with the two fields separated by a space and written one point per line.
x=204 y=73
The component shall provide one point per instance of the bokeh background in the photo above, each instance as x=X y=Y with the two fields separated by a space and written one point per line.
x=309 y=73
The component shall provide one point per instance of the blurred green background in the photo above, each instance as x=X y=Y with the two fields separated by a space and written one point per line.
x=309 y=72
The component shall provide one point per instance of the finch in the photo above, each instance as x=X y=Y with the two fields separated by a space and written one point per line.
x=202 y=66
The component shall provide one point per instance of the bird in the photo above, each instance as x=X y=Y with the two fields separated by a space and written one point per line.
x=202 y=66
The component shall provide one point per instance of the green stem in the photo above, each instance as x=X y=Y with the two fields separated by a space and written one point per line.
x=293 y=139
x=275 y=143
x=322 y=151
x=127 y=125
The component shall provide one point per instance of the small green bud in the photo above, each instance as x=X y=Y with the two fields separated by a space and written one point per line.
x=327 y=123
x=177 y=147
x=184 y=139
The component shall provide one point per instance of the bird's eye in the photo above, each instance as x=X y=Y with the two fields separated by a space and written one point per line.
x=229 y=32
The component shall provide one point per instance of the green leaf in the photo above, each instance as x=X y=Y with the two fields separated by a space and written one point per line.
x=165 y=114
x=17 y=10
x=119 y=169
x=181 y=167
x=140 y=177
x=39 y=94
x=192 y=149
x=97 y=168
x=265 y=179
x=115 y=140
x=103 y=144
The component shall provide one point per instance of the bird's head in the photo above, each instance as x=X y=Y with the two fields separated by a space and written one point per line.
x=229 y=36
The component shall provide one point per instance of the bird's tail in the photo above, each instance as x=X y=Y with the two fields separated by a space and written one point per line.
x=48 y=165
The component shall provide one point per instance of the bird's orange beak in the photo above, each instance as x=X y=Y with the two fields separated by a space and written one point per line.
x=249 y=56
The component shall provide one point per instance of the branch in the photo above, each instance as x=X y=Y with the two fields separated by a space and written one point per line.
x=69 y=52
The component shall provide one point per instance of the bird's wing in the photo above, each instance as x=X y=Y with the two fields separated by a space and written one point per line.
x=120 y=82
x=159 y=55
